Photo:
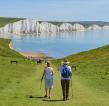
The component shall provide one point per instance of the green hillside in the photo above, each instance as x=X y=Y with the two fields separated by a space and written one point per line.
x=6 y=51
x=4 y=20
x=93 y=66
x=19 y=81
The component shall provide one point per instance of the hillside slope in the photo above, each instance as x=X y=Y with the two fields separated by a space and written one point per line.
x=93 y=66
x=4 y=20
x=6 y=51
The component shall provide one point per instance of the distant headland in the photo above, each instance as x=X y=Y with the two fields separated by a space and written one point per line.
x=30 y=26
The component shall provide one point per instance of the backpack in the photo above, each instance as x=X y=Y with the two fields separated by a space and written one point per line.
x=65 y=71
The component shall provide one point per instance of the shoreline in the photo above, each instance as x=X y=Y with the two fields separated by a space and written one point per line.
x=31 y=54
x=10 y=45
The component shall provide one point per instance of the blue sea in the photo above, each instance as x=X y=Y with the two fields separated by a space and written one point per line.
x=61 y=44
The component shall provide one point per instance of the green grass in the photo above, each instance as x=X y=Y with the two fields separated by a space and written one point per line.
x=4 y=20
x=18 y=82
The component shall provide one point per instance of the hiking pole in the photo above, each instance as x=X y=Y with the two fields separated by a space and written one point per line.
x=71 y=89
x=75 y=68
x=42 y=80
x=41 y=84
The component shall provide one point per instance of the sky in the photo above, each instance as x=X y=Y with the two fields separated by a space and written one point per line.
x=56 y=10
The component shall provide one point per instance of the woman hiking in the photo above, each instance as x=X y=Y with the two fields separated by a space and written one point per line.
x=48 y=77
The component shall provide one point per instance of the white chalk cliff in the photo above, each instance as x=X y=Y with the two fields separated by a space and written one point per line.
x=29 y=26
x=94 y=27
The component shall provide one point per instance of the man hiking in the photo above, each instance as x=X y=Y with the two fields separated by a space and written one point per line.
x=66 y=74
x=48 y=77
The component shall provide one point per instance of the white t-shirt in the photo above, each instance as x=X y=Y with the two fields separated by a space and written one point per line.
x=61 y=68
x=48 y=73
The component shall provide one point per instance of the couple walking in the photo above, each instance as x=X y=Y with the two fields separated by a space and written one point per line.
x=66 y=74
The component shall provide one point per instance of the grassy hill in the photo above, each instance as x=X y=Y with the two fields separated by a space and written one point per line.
x=6 y=51
x=19 y=81
x=93 y=66
x=4 y=20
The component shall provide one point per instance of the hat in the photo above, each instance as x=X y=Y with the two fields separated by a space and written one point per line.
x=66 y=62
x=48 y=63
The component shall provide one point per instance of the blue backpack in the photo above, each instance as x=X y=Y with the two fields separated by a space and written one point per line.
x=65 y=71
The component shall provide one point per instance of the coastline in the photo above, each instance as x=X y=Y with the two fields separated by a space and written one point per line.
x=31 y=54
x=10 y=45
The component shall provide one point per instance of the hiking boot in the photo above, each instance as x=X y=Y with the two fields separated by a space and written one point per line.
x=67 y=99
x=64 y=99
x=45 y=96
x=49 y=97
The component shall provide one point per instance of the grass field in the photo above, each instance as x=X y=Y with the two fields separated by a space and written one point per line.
x=19 y=81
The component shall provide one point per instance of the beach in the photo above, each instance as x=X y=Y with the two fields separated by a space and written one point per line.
x=34 y=55
x=31 y=54
x=10 y=45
